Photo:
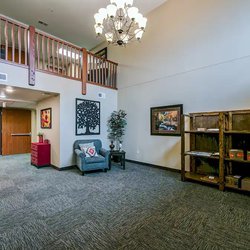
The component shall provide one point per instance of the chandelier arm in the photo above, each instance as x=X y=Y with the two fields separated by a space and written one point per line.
x=130 y=26
x=115 y=31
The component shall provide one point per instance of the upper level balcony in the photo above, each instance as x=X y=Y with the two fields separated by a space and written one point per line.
x=25 y=46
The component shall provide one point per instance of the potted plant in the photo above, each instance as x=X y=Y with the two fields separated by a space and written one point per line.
x=40 y=137
x=116 y=128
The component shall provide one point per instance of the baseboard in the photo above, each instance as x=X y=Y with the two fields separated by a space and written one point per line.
x=64 y=168
x=154 y=166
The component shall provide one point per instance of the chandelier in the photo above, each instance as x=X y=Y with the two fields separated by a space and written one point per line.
x=120 y=22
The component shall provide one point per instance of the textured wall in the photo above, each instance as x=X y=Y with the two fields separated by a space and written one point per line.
x=193 y=52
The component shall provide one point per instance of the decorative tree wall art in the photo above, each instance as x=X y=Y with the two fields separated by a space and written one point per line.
x=87 y=117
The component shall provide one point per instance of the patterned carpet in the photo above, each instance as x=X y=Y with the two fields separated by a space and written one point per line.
x=139 y=208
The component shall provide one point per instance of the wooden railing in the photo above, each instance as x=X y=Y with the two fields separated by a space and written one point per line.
x=13 y=41
x=101 y=71
x=39 y=51
x=57 y=56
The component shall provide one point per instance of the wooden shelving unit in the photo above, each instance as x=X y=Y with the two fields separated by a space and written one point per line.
x=211 y=136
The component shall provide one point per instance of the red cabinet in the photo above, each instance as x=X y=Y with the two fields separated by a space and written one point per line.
x=40 y=154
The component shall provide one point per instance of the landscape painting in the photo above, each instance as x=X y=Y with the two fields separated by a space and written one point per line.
x=165 y=120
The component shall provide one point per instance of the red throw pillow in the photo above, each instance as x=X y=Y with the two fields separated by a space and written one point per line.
x=91 y=151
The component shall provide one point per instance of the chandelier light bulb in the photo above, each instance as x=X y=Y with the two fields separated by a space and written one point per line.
x=139 y=16
x=103 y=12
x=98 y=29
x=111 y=10
x=98 y=18
x=132 y=12
x=109 y=37
x=120 y=4
x=129 y=2
x=142 y=23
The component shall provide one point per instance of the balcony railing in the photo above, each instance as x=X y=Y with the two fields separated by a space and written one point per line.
x=37 y=50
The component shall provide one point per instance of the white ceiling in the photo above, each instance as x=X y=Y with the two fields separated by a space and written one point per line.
x=71 y=20
x=22 y=98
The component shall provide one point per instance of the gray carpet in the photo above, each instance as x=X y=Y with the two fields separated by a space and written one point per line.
x=139 y=208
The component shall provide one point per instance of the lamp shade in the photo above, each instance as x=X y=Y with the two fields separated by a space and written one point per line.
x=98 y=29
x=129 y=2
x=132 y=12
x=111 y=10
x=120 y=4
x=98 y=18
x=142 y=23
x=103 y=12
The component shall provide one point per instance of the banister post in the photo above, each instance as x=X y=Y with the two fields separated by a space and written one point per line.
x=32 y=59
x=84 y=70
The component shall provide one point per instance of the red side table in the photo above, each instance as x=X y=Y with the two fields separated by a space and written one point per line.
x=40 y=154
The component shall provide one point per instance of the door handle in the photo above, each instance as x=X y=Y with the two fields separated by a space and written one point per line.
x=21 y=134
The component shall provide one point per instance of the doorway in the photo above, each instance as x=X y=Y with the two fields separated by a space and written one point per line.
x=16 y=131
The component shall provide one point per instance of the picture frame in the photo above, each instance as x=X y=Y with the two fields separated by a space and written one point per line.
x=88 y=114
x=166 y=120
x=46 y=118
x=102 y=53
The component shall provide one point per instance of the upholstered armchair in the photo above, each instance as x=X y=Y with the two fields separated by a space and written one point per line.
x=86 y=163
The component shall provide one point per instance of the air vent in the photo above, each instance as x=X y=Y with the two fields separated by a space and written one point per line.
x=102 y=95
x=42 y=23
x=3 y=77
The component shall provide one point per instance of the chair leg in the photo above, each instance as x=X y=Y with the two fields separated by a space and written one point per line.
x=82 y=173
x=105 y=170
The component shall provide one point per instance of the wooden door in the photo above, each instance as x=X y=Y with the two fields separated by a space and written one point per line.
x=16 y=128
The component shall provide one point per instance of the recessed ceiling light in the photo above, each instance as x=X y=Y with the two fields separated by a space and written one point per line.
x=9 y=89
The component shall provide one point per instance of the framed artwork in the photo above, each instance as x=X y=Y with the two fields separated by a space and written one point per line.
x=87 y=117
x=46 y=118
x=103 y=53
x=166 y=120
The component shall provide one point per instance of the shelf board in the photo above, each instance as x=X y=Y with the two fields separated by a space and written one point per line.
x=201 y=132
x=236 y=160
x=236 y=188
x=201 y=178
x=201 y=154
x=242 y=132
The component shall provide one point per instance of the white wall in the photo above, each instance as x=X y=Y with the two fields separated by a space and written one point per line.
x=69 y=90
x=193 y=52
x=53 y=134
x=33 y=126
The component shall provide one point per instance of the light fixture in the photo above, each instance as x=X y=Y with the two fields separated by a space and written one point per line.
x=120 y=22
x=2 y=95
x=9 y=89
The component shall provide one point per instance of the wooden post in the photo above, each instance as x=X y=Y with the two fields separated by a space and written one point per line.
x=182 y=147
x=84 y=70
x=32 y=72
x=221 y=151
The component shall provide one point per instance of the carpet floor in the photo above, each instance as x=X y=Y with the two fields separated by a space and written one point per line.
x=136 y=208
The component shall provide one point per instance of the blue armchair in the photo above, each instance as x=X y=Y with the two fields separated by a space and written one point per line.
x=91 y=163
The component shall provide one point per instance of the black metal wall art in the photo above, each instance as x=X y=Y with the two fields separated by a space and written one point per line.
x=87 y=117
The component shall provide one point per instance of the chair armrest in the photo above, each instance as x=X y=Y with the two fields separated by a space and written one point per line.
x=80 y=153
x=104 y=152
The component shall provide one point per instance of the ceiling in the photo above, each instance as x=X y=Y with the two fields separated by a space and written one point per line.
x=69 y=20
x=22 y=98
